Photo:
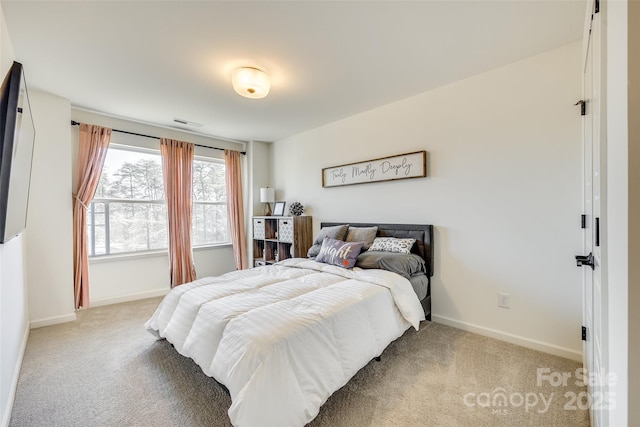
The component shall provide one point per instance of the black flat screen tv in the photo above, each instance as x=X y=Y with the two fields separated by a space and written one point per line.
x=17 y=137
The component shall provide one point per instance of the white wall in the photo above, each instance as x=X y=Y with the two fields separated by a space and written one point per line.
x=633 y=303
x=259 y=155
x=503 y=191
x=622 y=20
x=14 y=322
x=615 y=20
x=259 y=176
x=114 y=280
x=49 y=234
x=14 y=311
x=7 y=56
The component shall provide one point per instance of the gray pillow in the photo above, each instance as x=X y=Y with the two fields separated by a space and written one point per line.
x=406 y=265
x=336 y=232
x=337 y=252
x=362 y=234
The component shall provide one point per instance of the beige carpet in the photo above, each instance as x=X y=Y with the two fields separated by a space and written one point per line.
x=106 y=370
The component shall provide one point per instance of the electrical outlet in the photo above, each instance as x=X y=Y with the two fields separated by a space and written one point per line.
x=504 y=300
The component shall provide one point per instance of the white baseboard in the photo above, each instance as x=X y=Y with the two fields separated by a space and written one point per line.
x=98 y=302
x=510 y=338
x=52 y=320
x=130 y=297
x=6 y=416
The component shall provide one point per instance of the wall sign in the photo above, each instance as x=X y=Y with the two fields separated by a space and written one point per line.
x=402 y=166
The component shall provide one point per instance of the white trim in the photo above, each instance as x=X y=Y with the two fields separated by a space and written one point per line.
x=14 y=381
x=618 y=28
x=510 y=338
x=152 y=254
x=52 y=320
x=130 y=297
x=129 y=256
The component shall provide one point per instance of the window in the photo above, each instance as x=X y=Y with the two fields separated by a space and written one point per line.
x=209 y=221
x=128 y=213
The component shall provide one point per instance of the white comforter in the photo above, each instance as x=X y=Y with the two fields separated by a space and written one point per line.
x=283 y=338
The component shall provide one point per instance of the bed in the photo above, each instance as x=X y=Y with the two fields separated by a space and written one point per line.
x=423 y=248
x=283 y=337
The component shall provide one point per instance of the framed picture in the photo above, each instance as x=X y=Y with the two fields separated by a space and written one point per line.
x=390 y=168
x=278 y=209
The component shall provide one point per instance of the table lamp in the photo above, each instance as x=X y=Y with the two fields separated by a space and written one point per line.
x=267 y=196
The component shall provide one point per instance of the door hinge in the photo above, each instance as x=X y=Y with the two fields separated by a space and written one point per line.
x=596 y=8
x=584 y=333
x=597 y=231
x=583 y=107
x=583 y=221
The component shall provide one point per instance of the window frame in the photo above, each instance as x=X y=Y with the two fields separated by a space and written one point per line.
x=146 y=149
x=211 y=159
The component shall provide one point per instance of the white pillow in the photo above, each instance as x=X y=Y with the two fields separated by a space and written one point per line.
x=392 y=244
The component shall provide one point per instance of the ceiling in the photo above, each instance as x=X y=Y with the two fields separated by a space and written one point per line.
x=154 y=61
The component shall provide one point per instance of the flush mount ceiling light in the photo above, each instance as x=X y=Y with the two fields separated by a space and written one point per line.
x=251 y=82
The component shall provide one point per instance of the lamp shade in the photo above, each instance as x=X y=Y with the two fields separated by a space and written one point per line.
x=251 y=82
x=267 y=195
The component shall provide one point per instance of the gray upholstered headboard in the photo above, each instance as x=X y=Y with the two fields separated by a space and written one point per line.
x=421 y=232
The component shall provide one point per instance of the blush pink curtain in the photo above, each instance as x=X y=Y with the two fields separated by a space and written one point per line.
x=92 y=150
x=235 y=209
x=177 y=171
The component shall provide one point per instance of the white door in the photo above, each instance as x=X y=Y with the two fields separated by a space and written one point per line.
x=593 y=304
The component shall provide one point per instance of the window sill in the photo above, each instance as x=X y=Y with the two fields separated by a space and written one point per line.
x=207 y=247
x=149 y=254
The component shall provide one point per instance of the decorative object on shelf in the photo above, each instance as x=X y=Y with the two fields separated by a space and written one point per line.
x=251 y=82
x=278 y=209
x=267 y=196
x=296 y=209
x=390 y=168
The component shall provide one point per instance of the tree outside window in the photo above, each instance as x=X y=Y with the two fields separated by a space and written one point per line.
x=128 y=213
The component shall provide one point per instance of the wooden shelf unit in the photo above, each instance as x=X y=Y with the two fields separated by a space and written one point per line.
x=280 y=237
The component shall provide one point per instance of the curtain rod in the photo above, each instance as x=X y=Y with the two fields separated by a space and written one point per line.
x=74 y=123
